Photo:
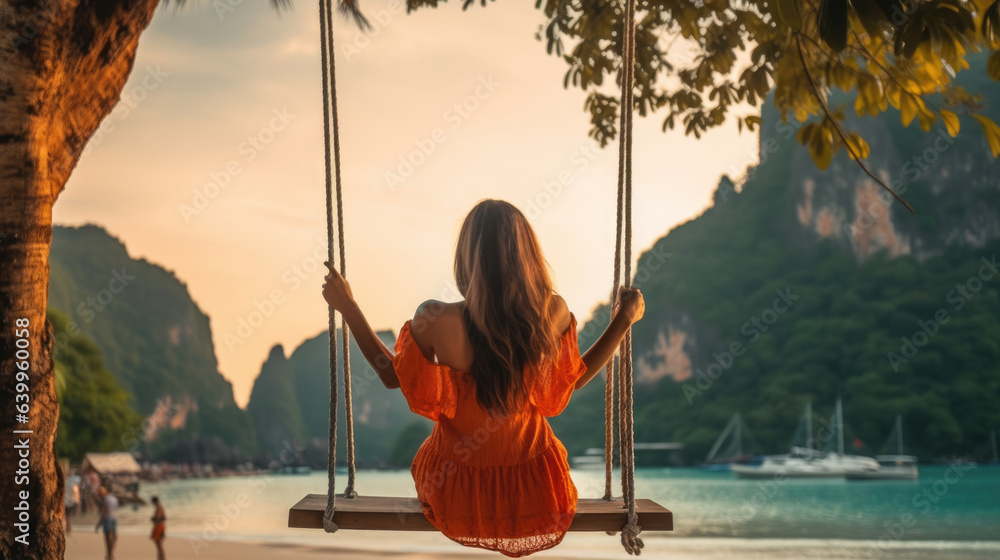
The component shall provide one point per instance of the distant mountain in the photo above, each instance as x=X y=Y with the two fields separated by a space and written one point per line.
x=154 y=339
x=94 y=411
x=290 y=404
x=802 y=285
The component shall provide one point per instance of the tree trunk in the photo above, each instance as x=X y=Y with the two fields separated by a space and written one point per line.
x=63 y=65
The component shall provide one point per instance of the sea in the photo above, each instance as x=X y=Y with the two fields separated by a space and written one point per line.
x=950 y=512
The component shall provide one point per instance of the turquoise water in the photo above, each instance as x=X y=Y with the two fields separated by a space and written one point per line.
x=947 y=513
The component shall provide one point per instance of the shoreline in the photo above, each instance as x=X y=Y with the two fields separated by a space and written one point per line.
x=87 y=545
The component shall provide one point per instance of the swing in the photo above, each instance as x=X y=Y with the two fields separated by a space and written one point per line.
x=351 y=511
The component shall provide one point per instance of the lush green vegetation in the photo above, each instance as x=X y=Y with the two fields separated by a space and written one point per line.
x=841 y=334
x=154 y=338
x=290 y=406
x=845 y=334
x=94 y=410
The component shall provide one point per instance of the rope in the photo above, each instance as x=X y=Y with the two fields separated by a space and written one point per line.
x=348 y=399
x=630 y=532
x=333 y=171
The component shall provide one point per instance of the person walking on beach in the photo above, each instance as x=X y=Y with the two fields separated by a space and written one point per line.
x=159 y=520
x=108 y=521
x=488 y=370
x=71 y=500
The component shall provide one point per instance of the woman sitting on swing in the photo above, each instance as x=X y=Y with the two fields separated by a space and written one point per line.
x=487 y=371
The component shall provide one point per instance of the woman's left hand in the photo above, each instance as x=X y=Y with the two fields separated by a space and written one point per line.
x=336 y=290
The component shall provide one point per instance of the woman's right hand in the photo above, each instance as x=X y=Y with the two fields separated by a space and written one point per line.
x=631 y=304
x=336 y=290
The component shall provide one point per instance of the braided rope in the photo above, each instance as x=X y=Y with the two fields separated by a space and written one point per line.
x=348 y=399
x=331 y=135
x=630 y=532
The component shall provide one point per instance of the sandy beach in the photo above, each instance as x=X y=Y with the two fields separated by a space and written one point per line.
x=90 y=546
x=84 y=545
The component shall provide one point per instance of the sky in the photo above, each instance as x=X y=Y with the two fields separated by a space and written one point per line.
x=211 y=165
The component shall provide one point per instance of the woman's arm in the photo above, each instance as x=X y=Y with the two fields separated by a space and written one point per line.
x=597 y=357
x=337 y=293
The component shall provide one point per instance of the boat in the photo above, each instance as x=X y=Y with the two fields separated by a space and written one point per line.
x=990 y=458
x=733 y=453
x=994 y=458
x=592 y=459
x=806 y=462
x=890 y=467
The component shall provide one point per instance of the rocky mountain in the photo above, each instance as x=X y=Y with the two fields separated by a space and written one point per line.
x=950 y=182
x=154 y=339
x=797 y=285
x=291 y=399
x=802 y=285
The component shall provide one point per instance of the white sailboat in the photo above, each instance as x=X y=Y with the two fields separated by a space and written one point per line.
x=806 y=462
x=994 y=456
x=890 y=467
x=733 y=452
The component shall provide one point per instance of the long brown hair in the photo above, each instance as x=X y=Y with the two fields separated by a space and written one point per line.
x=501 y=272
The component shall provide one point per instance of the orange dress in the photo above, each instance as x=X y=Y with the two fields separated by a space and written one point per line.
x=498 y=484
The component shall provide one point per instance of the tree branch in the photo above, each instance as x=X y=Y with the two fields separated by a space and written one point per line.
x=840 y=131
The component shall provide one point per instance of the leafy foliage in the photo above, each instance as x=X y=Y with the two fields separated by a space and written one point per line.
x=836 y=340
x=408 y=442
x=290 y=405
x=697 y=62
x=94 y=411
x=153 y=337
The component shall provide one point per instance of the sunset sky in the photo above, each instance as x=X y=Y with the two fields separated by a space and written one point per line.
x=212 y=165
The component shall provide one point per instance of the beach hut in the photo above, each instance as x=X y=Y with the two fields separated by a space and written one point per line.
x=119 y=473
x=108 y=464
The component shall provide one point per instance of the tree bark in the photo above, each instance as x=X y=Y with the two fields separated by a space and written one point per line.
x=63 y=65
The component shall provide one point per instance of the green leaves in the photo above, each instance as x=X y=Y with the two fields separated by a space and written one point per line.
x=886 y=52
x=824 y=140
x=950 y=122
x=875 y=15
x=991 y=131
x=991 y=26
x=833 y=23
x=787 y=12
x=993 y=66
x=818 y=138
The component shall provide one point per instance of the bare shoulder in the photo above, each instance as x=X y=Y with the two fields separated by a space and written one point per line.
x=435 y=321
x=560 y=313
x=439 y=331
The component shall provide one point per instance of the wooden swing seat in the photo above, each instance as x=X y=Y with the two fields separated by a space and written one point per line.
x=385 y=513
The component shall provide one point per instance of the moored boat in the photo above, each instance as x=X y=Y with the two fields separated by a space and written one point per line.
x=806 y=462
x=890 y=467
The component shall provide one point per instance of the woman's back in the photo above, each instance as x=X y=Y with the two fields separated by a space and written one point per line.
x=488 y=371
x=442 y=335
x=499 y=482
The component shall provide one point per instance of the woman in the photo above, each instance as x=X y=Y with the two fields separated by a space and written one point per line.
x=159 y=520
x=488 y=370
